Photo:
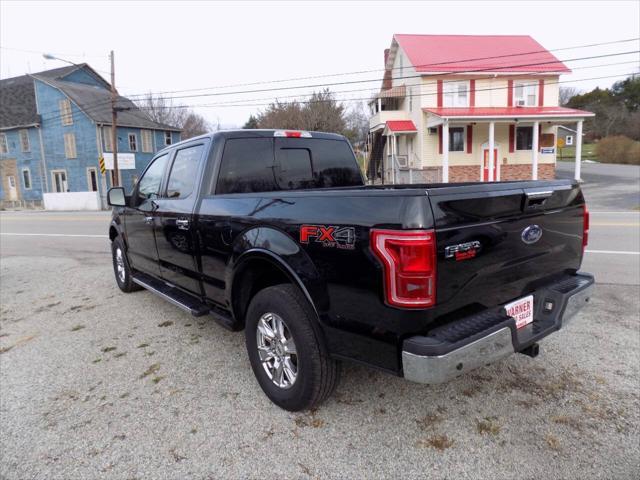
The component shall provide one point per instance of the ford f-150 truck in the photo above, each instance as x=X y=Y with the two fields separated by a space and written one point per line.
x=275 y=232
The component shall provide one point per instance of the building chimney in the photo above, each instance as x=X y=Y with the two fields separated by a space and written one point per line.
x=386 y=79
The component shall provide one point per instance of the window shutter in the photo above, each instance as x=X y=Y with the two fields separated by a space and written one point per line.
x=512 y=138
x=440 y=95
x=541 y=92
x=510 y=93
x=440 y=139
x=470 y=138
x=472 y=93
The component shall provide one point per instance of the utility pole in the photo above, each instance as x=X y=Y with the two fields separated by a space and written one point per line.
x=114 y=126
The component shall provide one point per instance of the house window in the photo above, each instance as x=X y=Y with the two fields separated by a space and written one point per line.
x=107 y=137
x=524 y=138
x=65 y=112
x=455 y=94
x=92 y=179
x=26 y=178
x=456 y=139
x=24 y=141
x=525 y=94
x=133 y=142
x=147 y=141
x=70 y=145
x=167 y=138
x=4 y=146
x=568 y=140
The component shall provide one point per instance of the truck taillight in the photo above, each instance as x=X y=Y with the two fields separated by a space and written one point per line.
x=409 y=261
x=585 y=228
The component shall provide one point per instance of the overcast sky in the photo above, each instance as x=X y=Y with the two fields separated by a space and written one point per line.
x=168 y=46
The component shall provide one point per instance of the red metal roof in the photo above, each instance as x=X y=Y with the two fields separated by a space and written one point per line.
x=511 y=112
x=462 y=53
x=401 y=126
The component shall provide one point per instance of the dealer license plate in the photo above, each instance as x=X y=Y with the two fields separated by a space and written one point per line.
x=521 y=310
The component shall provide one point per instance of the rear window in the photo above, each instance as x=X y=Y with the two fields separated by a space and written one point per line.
x=268 y=164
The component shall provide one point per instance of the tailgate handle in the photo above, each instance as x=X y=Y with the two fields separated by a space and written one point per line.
x=536 y=199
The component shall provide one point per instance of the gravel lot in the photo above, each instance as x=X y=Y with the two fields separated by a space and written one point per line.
x=95 y=383
x=99 y=384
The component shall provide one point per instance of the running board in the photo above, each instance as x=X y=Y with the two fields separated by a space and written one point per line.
x=174 y=295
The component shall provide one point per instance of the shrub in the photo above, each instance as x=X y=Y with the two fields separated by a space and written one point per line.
x=618 y=149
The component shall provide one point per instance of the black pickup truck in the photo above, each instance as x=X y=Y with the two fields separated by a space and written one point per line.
x=274 y=232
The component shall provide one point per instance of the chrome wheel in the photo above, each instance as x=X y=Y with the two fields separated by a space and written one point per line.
x=120 y=265
x=277 y=350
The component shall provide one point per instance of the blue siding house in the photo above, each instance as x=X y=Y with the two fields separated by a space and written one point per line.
x=56 y=124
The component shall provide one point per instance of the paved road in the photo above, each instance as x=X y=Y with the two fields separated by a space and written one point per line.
x=96 y=383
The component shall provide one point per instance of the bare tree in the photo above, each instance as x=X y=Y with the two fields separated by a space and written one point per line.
x=194 y=125
x=567 y=93
x=163 y=110
x=357 y=123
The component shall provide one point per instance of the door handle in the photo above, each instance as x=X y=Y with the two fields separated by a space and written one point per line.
x=148 y=220
x=182 y=223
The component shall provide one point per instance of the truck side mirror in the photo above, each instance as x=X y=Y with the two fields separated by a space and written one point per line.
x=116 y=197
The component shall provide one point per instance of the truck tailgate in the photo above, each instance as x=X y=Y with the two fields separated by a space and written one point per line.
x=500 y=227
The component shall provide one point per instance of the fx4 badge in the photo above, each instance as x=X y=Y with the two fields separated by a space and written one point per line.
x=462 y=251
x=329 y=236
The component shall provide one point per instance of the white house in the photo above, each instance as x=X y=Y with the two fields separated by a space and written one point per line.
x=448 y=100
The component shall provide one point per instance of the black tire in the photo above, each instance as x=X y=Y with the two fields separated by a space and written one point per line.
x=123 y=278
x=317 y=373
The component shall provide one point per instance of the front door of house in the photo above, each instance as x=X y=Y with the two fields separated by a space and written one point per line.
x=12 y=190
x=485 y=167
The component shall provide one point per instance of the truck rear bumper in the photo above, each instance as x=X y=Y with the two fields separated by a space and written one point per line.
x=482 y=339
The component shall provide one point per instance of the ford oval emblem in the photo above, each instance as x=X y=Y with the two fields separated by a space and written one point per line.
x=531 y=234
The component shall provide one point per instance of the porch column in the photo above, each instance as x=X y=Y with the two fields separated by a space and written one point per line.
x=534 y=151
x=492 y=147
x=445 y=151
x=379 y=104
x=578 y=150
x=394 y=147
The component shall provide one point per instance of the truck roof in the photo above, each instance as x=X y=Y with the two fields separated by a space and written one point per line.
x=253 y=133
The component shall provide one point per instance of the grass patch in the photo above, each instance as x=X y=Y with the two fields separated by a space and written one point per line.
x=569 y=153
x=168 y=323
x=552 y=441
x=439 y=442
x=77 y=327
x=151 y=370
x=108 y=349
x=158 y=379
x=488 y=426
x=143 y=345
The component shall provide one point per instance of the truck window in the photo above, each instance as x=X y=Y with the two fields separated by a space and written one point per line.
x=315 y=163
x=247 y=166
x=149 y=184
x=184 y=171
x=295 y=170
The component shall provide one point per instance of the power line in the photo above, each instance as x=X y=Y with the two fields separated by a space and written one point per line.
x=313 y=77
x=102 y=103
x=351 y=82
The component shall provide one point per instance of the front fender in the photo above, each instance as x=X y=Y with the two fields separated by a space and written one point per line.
x=278 y=248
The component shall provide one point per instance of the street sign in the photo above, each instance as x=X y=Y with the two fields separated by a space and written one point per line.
x=126 y=161
x=560 y=142
x=547 y=150
x=102 y=167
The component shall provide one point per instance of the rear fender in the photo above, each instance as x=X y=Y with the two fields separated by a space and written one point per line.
x=276 y=247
